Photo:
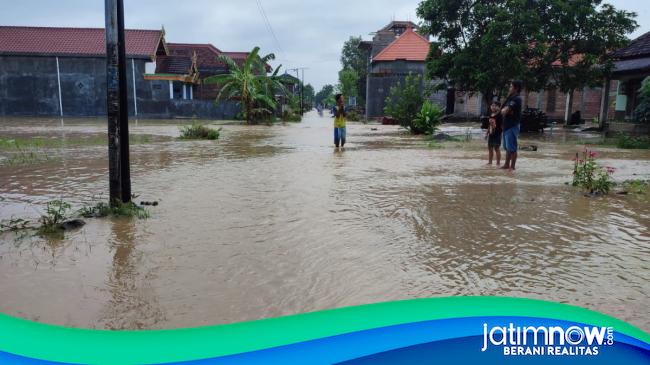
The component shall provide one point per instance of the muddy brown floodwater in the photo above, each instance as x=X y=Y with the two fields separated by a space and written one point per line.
x=270 y=221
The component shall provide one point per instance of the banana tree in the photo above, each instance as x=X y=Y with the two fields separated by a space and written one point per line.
x=250 y=84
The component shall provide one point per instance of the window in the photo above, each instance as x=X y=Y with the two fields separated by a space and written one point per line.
x=178 y=90
x=150 y=68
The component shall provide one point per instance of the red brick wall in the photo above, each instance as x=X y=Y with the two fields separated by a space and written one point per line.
x=587 y=101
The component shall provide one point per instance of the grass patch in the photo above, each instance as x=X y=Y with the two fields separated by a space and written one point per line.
x=620 y=141
x=199 y=131
x=124 y=210
x=22 y=143
x=628 y=142
x=636 y=186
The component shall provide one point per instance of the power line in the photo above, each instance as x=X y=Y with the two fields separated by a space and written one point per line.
x=268 y=25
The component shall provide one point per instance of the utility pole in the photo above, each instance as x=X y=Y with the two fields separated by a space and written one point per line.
x=302 y=85
x=119 y=172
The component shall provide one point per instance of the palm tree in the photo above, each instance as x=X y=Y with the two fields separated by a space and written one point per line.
x=250 y=84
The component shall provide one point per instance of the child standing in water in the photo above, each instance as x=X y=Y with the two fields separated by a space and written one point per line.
x=495 y=129
x=339 y=122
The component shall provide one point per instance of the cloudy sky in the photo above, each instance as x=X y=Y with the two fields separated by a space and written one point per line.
x=309 y=33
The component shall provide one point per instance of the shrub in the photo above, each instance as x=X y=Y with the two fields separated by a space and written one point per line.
x=199 y=131
x=405 y=101
x=353 y=116
x=590 y=176
x=629 y=142
x=636 y=186
x=290 y=116
x=427 y=120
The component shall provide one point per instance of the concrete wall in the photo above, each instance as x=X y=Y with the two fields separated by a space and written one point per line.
x=205 y=109
x=383 y=75
x=29 y=87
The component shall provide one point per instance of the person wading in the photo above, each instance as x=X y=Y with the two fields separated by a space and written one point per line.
x=511 y=113
x=339 y=122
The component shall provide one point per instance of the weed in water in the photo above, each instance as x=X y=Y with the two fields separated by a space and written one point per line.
x=199 y=131
x=56 y=212
x=636 y=186
x=126 y=210
x=629 y=142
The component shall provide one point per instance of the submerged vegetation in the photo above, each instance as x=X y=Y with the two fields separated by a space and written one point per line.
x=126 y=210
x=199 y=131
x=59 y=217
x=33 y=150
x=638 y=187
x=629 y=142
x=621 y=140
x=56 y=212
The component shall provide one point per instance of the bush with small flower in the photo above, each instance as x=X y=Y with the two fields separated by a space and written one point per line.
x=590 y=176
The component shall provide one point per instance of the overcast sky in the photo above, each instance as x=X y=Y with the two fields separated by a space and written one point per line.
x=309 y=33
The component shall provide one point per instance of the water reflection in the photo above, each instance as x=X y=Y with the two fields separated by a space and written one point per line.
x=132 y=302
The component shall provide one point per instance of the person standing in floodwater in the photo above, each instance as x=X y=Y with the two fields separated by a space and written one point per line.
x=493 y=135
x=339 y=122
x=511 y=113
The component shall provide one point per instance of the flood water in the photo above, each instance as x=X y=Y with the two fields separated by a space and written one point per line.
x=271 y=221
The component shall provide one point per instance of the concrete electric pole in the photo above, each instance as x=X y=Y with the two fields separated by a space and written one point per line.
x=119 y=172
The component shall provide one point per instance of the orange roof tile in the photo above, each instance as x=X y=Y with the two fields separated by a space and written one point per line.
x=410 y=46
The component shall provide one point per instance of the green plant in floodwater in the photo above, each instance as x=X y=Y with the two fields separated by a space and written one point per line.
x=629 y=142
x=102 y=209
x=56 y=212
x=199 y=131
x=22 y=153
x=590 y=176
x=636 y=186
x=427 y=119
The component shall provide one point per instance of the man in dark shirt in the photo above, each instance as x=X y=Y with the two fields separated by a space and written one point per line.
x=511 y=118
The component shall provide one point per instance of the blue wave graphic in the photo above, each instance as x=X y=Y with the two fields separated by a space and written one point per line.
x=444 y=341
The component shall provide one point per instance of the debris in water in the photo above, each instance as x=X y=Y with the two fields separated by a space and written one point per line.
x=72 y=224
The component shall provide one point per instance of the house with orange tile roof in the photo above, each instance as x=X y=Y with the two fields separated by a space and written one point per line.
x=396 y=51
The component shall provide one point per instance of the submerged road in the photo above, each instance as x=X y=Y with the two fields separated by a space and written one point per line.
x=270 y=221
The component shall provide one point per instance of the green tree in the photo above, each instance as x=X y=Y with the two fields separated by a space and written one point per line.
x=575 y=43
x=325 y=96
x=348 y=80
x=355 y=58
x=249 y=84
x=480 y=45
x=309 y=95
x=483 y=44
x=405 y=100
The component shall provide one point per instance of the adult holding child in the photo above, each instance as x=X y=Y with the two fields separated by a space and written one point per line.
x=511 y=113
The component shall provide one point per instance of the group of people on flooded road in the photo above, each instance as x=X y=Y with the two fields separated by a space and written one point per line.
x=503 y=127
